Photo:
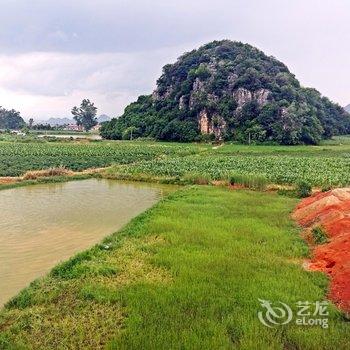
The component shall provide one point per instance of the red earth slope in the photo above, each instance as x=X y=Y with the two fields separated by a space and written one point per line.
x=331 y=211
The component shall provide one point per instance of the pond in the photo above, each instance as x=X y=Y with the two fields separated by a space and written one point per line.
x=44 y=224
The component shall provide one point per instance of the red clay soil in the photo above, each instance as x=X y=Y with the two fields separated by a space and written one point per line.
x=331 y=211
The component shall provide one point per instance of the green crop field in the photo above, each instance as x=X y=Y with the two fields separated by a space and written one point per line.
x=19 y=157
x=328 y=164
x=279 y=169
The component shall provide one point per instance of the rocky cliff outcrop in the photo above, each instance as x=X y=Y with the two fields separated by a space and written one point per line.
x=243 y=96
x=211 y=124
x=201 y=91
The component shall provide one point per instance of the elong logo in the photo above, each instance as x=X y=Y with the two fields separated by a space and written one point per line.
x=308 y=314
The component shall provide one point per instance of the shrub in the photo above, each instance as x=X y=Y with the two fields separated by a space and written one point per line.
x=326 y=188
x=197 y=179
x=319 y=235
x=304 y=189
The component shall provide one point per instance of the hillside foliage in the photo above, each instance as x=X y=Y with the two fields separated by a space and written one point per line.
x=233 y=91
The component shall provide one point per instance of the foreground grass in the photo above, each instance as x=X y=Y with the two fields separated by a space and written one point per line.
x=187 y=274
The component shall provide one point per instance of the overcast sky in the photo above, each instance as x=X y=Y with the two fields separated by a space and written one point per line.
x=54 y=53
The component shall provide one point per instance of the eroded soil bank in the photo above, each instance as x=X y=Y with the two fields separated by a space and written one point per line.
x=329 y=212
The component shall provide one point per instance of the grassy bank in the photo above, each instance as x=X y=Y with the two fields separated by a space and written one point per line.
x=43 y=180
x=187 y=274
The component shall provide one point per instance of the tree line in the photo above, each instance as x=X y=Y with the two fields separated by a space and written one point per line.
x=84 y=116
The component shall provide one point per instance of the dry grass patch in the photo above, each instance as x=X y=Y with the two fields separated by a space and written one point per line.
x=133 y=261
x=8 y=180
x=79 y=325
x=59 y=171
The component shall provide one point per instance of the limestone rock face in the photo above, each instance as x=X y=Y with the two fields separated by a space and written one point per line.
x=214 y=124
x=261 y=96
x=232 y=78
x=182 y=102
x=242 y=96
x=155 y=95
x=203 y=121
x=158 y=95
x=218 y=126
x=198 y=85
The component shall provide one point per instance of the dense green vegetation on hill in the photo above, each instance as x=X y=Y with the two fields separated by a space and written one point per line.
x=233 y=91
x=185 y=275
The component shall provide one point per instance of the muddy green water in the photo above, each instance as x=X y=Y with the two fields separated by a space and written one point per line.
x=42 y=225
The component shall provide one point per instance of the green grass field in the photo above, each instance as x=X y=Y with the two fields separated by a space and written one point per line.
x=186 y=274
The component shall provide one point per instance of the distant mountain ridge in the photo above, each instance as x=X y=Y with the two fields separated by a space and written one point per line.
x=103 y=118
x=58 y=121
x=66 y=121
x=347 y=108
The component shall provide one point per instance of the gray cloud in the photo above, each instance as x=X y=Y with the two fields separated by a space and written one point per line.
x=105 y=26
x=59 y=74
x=54 y=52
x=113 y=79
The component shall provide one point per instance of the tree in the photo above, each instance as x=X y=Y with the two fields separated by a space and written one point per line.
x=10 y=119
x=42 y=127
x=129 y=132
x=30 y=123
x=85 y=115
